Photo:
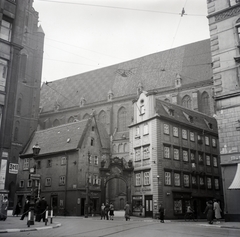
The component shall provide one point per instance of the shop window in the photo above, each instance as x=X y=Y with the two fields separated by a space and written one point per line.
x=178 y=206
x=137 y=204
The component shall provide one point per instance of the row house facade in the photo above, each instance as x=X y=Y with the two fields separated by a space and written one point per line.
x=175 y=155
x=21 y=51
x=224 y=27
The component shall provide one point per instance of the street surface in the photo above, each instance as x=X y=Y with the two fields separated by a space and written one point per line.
x=78 y=227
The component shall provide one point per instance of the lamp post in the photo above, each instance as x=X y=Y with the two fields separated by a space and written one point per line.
x=87 y=188
x=36 y=149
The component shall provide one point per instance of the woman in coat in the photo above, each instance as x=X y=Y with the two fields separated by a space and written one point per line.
x=127 y=211
x=4 y=208
x=209 y=212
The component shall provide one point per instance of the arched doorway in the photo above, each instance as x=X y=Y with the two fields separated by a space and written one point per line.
x=116 y=182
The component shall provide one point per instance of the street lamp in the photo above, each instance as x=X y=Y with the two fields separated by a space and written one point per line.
x=36 y=149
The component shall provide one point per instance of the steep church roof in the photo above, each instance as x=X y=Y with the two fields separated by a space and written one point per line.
x=155 y=71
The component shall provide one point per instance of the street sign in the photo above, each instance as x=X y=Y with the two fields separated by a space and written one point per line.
x=35 y=176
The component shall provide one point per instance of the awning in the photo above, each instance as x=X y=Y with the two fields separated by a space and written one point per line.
x=236 y=181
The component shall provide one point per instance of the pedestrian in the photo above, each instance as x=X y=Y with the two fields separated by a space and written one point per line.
x=4 y=208
x=127 y=211
x=18 y=208
x=103 y=211
x=107 y=210
x=25 y=209
x=37 y=210
x=161 y=213
x=217 y=210
x=111 y=212
x=43 y=207
x=209 y=212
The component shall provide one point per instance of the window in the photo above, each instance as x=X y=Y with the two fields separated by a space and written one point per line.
x=145 y=129
x=192 y=136
x=63 y=160
x=201 y=182
x=186 y=180
x=38 y=164
x=208 y=160
x=137 y=135
x=21 y=184
x=138 y=179
x=216 y=183
x=89 y=178
x=49 y=163
x=26 y=164
x=185 y=155
x=146 y=176
x=205 y=103
x=19 y=106
x=48 y=182
x=92 y=141
x=166 y=152
x=192 y=156
x=29 y=183
x=200 y=158
x=175 y=131
x=95 y=179
x=166 y=129
x=177 y=179
x=102 y=117
x=95 y=160
x=200 y=140
x=142 y=110
x=186 y=102
x=146 y=152
x=214 y=142
x=168 y=180
x=62 y=180
x=122 y=119
x=137 y=154
x=194 y=181
x=207 y=141
x=3 y=74
x=178 y=206
x=209 y=183
x=176 y=154
x=215 y=162
x=6 y=30
x=184 y=134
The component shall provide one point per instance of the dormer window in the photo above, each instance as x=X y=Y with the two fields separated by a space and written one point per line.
x=142 y=110
x=171 y=112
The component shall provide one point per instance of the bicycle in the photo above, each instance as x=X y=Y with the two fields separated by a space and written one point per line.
x=190 y=216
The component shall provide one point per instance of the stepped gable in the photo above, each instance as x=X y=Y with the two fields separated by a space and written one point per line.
x=199 y=119
x=155 y=71
x=56 y=139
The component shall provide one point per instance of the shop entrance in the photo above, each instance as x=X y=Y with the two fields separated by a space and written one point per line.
x=148 y=206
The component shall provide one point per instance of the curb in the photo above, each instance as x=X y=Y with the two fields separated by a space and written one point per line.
x=30 y=229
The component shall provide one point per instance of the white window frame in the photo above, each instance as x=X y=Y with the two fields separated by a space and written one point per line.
x=137 y=131
x=6 y=26
x=215 y=161
x=184 y=134
x=146 y=152
x=208 y=160
x=177 y=179
x=146 y=178
x=192 y=136
x=166 y=129
x=142 y=109
x=166 y=152
x=168 y=178
x=26 y=164
x=138 y=179
x=137 y=154
x=175 y=132
x=185 y=156
x=176 y=154
x=207 y=143
x=145 y=129
x=214 y=142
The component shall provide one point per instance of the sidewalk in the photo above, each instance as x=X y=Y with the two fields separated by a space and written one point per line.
x=14 y=224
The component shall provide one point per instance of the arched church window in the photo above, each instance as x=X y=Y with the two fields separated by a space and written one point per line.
x=56 y=123
x=205 y=103
x=102 y=117
x=122 y=119
x=186 y=102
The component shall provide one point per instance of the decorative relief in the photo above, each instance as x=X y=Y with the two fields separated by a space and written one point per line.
x=227 y=14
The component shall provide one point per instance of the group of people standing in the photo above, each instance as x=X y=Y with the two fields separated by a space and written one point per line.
x=213 y=210
x=39 y=209
x=107 y=211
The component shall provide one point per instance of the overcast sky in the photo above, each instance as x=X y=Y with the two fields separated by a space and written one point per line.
x=83 y=35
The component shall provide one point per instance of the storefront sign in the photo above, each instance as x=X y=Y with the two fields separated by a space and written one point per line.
x=13 y=168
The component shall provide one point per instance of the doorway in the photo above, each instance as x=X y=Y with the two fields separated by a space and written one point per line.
x=148 y=206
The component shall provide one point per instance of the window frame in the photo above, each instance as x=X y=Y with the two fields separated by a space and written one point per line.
x=192 y=136
x=146 y=152
x=186 y=152
x=186 y=182
x=7 y=35
x=166 y=155
x=166 y=129
x=26 y=163
x=145 y=129
x=137 y=156
x=208 y=161
x=62 y=180
x=48 y=182
x=174 y=154
x=184 y=135
x=175 y=131
x=167 y=178
x=178 y=183
x=138 y=179
x=146 y=178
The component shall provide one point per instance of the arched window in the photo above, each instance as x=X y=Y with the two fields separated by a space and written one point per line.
x=102 y=117
x=122 y=119
x=186 y=102
x=205 y=103
x=71 y=119
x=19 y=106
x=86 y=116
x=56 y=123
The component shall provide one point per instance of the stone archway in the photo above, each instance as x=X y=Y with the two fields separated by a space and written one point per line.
x=118 y=170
